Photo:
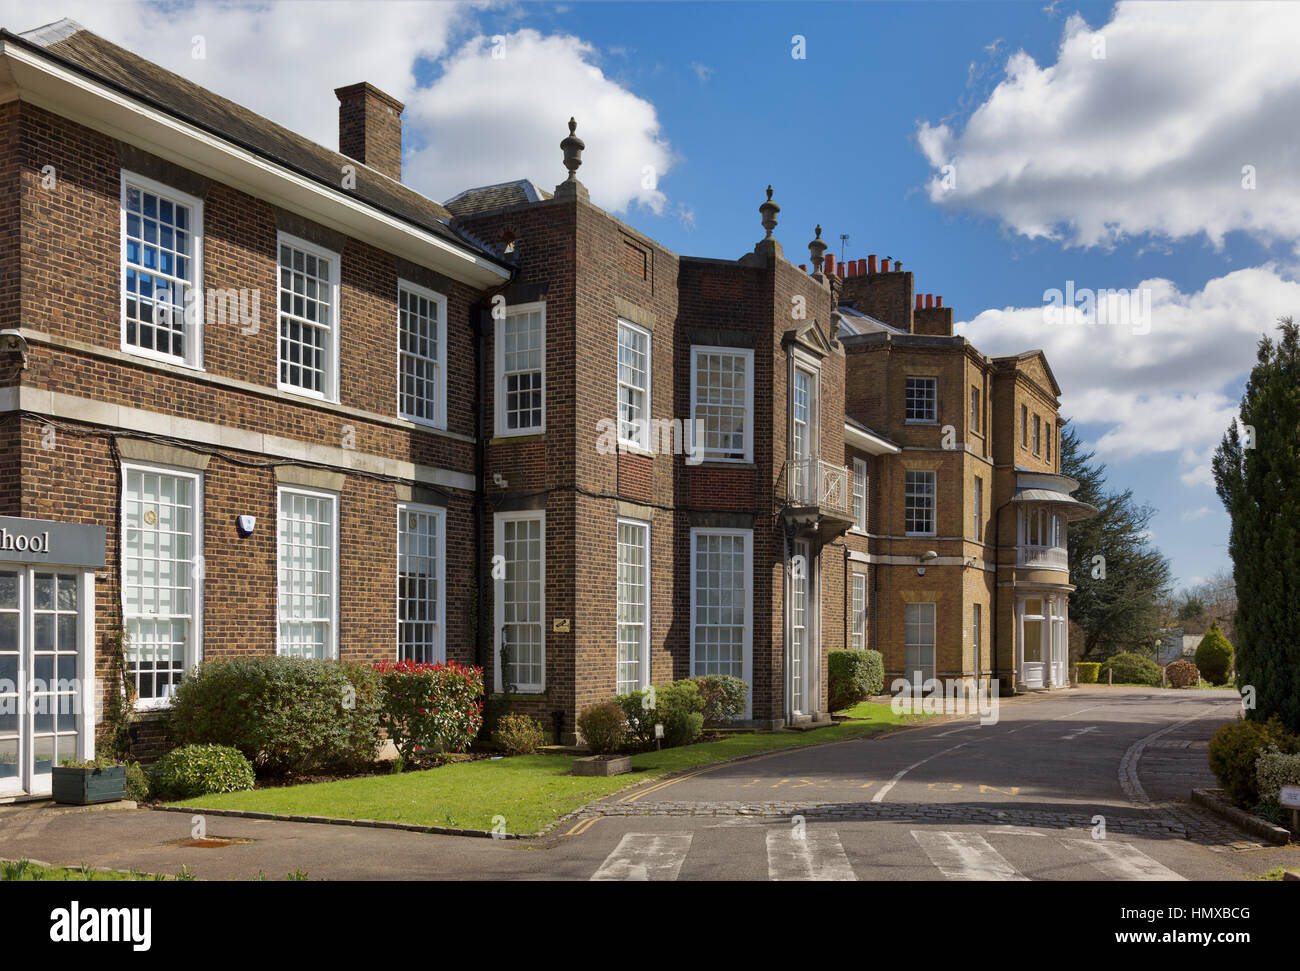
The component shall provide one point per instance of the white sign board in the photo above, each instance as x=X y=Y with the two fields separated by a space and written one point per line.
x=1289 y=797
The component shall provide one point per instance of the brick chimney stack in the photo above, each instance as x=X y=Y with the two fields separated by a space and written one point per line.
x=881 y=291
x=370 y=128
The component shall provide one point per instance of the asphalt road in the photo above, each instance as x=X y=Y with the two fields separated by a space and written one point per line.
x=1089 y=784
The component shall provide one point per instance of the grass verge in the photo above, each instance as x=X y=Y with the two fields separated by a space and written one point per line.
x=527 y=792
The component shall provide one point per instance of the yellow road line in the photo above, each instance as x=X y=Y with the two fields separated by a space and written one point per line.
x=582 y=826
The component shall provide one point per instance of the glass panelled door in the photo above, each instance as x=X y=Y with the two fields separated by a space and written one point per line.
x=42 y=702
x=1033 y=630
x=799 y=615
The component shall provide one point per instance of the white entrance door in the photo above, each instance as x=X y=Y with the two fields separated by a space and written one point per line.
x=45 y=655
x=1033 y=638
x=801 y=569
x=1060 y=646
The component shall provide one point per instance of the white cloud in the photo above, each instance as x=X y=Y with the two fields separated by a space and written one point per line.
x=1194 y=514
x=491 y=120
x=1173 y=389
x=1152 y=139
x=483 y=120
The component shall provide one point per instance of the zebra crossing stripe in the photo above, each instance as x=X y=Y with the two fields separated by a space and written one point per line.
x=1121 y=861
x=965 y=856
x=646 y=856
x=813 y=854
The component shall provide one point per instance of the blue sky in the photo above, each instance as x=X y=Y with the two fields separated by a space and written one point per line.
x=1111 y=171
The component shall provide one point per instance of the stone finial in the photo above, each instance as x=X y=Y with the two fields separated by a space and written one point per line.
x=769 y=210
x=817 y=250
x=573 y=146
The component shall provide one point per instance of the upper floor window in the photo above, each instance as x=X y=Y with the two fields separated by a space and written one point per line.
x=1024 y=426
x=1038 y=432
x=1048 y=430
x=921 y=399
x=860 y=495
x=162 y=286
x=633 y=385
x=978 y=517
x=421 y=343
x=722 y=400
x=919 y=502
x=975 y=410
x=309 y=314
x=521 y=371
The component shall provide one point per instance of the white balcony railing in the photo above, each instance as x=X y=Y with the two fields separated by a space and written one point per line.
x=1044 y=557
x=812 y=483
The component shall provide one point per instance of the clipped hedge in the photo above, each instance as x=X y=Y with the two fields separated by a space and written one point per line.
x=428 y=708
x=678 y=706
x=284 y=714
x=200 y=770
x=1089 y=672
x=724 y=697
x=1182 y=674
x=1130 y=668
x=1214 y=655
x=853 y=676
x=603 y=727
x=1235 y=749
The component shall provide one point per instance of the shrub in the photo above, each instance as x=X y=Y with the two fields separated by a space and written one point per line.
x=724 y=697
x=137 y=782
x=603 y=727
x=1214 y=655
x=1236 y=747
x=1130 y=668
x=1182 y=674
x=200 y=770
x=677 y=706
x=1088 y=671
x=284 y=714
x=853 y=676
x=1275 y=769
x=518 y=735
x=431 y=707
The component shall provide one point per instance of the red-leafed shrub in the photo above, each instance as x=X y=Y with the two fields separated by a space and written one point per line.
x=430 y=708
x=1182 y=674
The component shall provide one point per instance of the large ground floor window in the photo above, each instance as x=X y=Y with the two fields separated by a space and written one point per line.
x=721 y=602
x=633 y=605
x=307 y=566
x=919 y=638
x=519 y=572
x=421 y=543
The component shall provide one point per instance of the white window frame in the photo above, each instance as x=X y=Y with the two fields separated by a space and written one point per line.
x=857 y=611
x=1038 y=434
x=933 y=644
x=976 y=410
x=934 y=399
x=748 y=643
x=498 y=549
x=439 y=419
x=644 y=428
x=440 y=597
x=859 y=496
x=713 y=455
x=331 y=377
x=977 y=621
x=335 y=584
x=194 y=646
x=193 y=357
x=977 y=522
x=498 y=342
x=643 y=664
x=934 y=502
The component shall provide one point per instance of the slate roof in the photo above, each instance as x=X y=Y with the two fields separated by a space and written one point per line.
x=500 y=196
x=87 y=53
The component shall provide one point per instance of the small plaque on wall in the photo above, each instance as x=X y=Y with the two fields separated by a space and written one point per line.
x=560 y=625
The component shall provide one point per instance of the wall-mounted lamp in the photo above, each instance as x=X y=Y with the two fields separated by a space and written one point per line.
x=14 y=341
x=499 y=480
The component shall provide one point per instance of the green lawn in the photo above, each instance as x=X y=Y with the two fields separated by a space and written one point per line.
x=24 y=871
x=528 y=791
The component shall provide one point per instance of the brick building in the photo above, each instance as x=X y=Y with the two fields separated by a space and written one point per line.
x=257 y=396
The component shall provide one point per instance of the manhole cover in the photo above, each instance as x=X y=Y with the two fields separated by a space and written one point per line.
x=210 y=842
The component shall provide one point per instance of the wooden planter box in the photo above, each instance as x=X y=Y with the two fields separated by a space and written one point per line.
x=602 y=765
x=82 y=787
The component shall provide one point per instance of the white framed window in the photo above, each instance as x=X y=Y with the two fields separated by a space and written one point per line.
x=919 y=640
x=633 y=385
x=633 y=605
x=162 y=596
x=975 y=410
x=421 y=348
x=1038 y=433
x=309 y=318
x=977 y=519
x=722 y=401
x=858 y=613
x=918 y=502
x=1048 y=431
x=307 y=567
x=722 y=569
x=421 y=586
x=921 y=399
x=521 y=371
x=520 y=539
x=1024 y=426
x=860 y=495
x=977 y=623
x=162 y=272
